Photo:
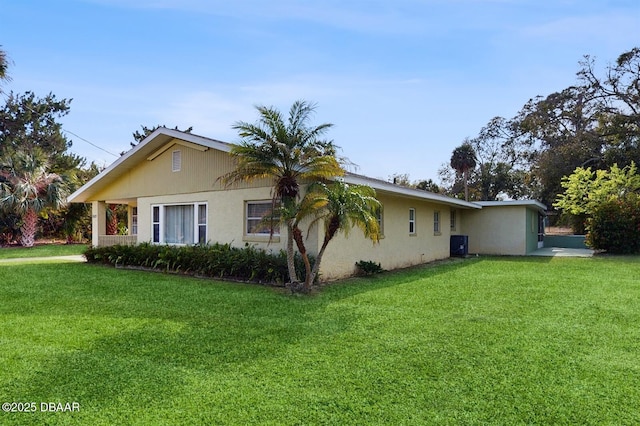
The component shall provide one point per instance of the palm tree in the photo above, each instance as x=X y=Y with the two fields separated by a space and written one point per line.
x=463 y=160
x=27 y=188
x=289 y=153
x=341 y=207
x=4 y=65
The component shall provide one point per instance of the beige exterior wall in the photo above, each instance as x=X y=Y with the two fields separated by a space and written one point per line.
x=398 y=248
x=225 y=216
x=496 y=230
x=199 y=172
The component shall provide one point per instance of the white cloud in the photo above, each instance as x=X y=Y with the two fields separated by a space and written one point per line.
x=617 y=28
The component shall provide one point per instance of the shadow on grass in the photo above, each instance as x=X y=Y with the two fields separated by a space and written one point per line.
x=135 y=347
x=110 y=338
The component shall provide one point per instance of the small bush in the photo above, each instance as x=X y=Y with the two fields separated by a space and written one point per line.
x=615 y=226
x=212 y=260
x=368 y=267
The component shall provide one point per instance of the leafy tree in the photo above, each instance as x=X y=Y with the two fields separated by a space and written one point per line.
x=27 y=188
x=463 y=161
x=28 y=123
x=340 y=207
x=288 y=152
x=428 y=185
x=139 y=136
x=563 y=128
x=585 y=190
x=403 y=179
x=619 y=93
x=502 y=157
x=593 y=123
x=614 y=225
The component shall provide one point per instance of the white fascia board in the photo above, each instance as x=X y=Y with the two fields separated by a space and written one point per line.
x=166 y=135
x=407 y=192
x=528 y=203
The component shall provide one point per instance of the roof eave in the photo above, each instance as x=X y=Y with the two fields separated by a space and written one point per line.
x=387 y=187
x=159 y=136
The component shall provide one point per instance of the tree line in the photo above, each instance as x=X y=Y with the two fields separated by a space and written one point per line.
x=593 y=123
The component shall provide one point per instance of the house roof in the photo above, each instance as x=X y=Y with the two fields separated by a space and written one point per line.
x=528 y=203
x=163 y=138
x=387 y=187
x=149 y=146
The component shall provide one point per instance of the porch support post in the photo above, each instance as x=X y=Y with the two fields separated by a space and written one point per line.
x=98 y=221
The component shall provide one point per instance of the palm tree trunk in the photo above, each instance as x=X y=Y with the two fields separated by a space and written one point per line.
x=334 y=225
x=297 y=237
x=291 y=265
x=28 y=228
x=316 y=266
x=465 y=175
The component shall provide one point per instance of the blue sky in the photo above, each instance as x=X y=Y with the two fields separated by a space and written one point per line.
x=403 y=81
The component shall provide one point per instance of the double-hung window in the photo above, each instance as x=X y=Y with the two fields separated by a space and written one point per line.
x=412 y=221
x=436 y=223
x=134 y=220
x=260 y=219
x=179 y=223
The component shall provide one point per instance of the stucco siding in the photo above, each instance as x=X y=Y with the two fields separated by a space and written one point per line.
x=531 y=231
x=496 y=230
x=398 y=248
x=199 y=172
x=225 y=216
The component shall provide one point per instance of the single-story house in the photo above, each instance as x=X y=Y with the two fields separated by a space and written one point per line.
x=171 y=187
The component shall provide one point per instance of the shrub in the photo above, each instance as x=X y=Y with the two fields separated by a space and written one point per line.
x=368 y=267
x=615 y=226
x=212 y=260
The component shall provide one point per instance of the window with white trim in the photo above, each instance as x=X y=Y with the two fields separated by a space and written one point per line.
x=179 y=223
x=453 y=220
x=259 y=218
x=380 y=219
x=436 y=222
x=412 y=221
x=176 y=161
x=134 y=221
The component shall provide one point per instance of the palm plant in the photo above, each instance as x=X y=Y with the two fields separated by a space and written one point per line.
x=4 y=65
x=463 y=160
x=27 y=188
x=289 y=152
x=340 y=207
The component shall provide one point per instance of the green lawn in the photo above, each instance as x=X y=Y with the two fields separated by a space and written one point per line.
x=481 y=341
x=42 y=250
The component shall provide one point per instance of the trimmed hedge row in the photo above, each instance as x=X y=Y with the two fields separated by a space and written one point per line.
x=213 y=260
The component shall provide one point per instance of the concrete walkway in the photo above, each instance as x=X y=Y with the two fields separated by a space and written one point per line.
x=562 y=252
x=70 y=258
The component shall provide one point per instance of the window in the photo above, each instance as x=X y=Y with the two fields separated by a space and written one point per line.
x=176 y=161
x=134 y=221
x=256 y=212
x=453 y=220
x=202 y=223
x=436 y=222
x=380 y=221
x=156 y=224
x=412 y=221
x=180 y=223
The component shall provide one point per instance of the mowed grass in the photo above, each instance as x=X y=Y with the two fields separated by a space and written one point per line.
x=42 y=250
x=481 y=341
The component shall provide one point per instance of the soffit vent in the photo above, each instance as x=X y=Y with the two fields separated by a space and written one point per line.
x=176 y=161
